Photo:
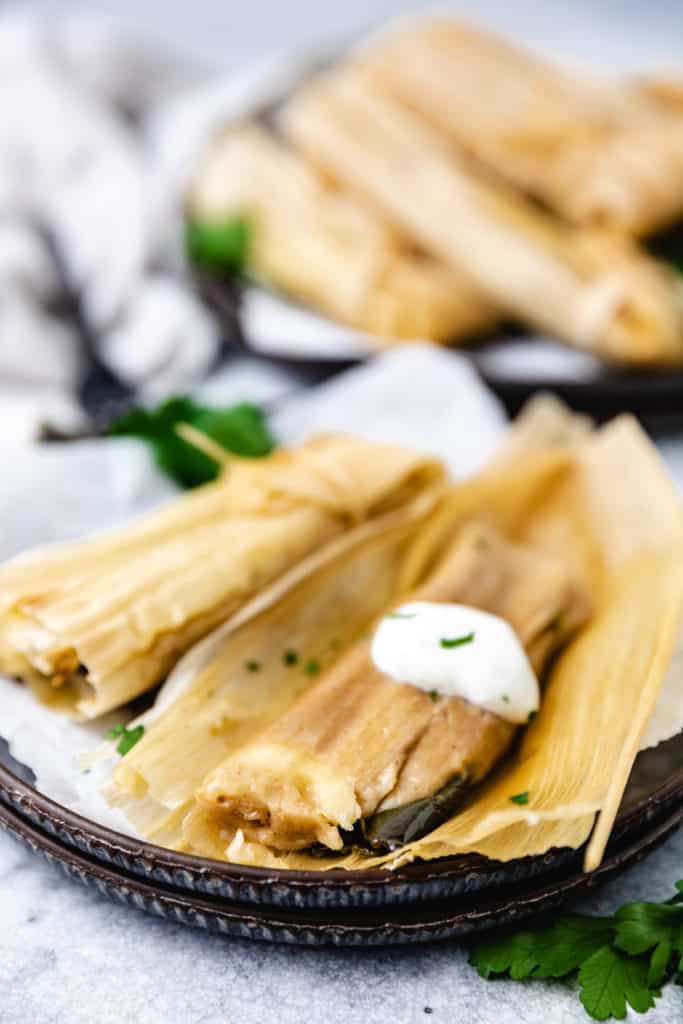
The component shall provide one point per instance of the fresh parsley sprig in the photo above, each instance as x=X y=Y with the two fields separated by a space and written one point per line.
x=618 y=961
x=218 y=248
x=241 y=429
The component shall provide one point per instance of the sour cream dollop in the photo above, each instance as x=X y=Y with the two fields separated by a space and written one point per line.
x=458 y=651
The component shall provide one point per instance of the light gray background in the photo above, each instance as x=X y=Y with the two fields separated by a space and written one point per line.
x=66 y=954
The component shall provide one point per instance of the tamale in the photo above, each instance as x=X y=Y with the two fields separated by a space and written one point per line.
x=592 y=288
x=619 y=517
x=93 y=624
x=599 y=152
x=247 y=673
x=359 y=742
x=368 y=567
x=322 y=246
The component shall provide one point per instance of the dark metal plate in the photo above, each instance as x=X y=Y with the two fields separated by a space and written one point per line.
x=371 y=926
x=654 y=795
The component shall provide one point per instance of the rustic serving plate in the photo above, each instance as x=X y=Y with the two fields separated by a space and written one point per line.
x=652 y=807
x=419 y=921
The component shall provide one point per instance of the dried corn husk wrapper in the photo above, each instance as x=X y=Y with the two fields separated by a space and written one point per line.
x=240 y=679
x=598 y=152
x=590 y=287
x=322 y=246
x=615 y=513
x=213 y=704
x=93 y=624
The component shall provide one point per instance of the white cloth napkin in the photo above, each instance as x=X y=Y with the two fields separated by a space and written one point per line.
x=98 y=134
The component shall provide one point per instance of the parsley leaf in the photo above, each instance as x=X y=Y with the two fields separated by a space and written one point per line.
x=218 y=247
x=127 y=737
x=520 y=798
x=550 y=952
x=610 y=981
x=241 y=429
x=457 y=641
x=619 y=961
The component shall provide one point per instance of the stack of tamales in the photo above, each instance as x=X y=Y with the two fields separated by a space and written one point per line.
x=438 y=166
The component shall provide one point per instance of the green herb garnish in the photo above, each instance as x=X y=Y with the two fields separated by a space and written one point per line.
x=312 y=667
x=433 y=696
x=127 y=737
x=618 y=961
x=457 y=641
x=290 y=657
x=253 y=666
x=218 y=248
x=240 y=429
x=520 y=798
x=401 y=615
x=505 y=699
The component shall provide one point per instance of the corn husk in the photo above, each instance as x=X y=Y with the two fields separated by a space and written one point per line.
x=152 y=792
x=618 y=518
x=238 y=680
x=92 y=625
x=592 y=288
x=597 y=152
x=359 y=743
x=325 y=248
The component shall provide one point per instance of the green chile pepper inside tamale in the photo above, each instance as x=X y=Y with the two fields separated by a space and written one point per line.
x=362 y=749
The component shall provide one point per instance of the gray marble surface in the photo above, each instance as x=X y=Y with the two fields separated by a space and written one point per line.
x=68 y=955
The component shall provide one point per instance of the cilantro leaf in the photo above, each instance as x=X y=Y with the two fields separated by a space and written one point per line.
x=610 y=981
x=127 y=737
x=218 y=247
x=659 y=964
x=516 y=954
x=520 y=798
x=640 y=926
x=619 y=961
x=241 y=429
x=550 y=952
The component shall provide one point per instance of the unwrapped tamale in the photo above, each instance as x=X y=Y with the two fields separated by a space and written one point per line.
x=359 y=743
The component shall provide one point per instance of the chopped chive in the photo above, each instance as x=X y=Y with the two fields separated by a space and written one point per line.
x=457 y=641
x=253 y=666
x=520 y=798
x=312 y=667
x=290 y=657
x=401 y=615
x=127 y=737
x=505 y=699
x=433 y=696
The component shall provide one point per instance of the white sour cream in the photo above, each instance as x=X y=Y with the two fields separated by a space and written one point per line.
x=458 y=651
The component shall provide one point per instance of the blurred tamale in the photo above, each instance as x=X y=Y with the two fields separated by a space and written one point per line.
x=320 y=245
x=593 y=288
x=91 y=625
x=599 y=152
